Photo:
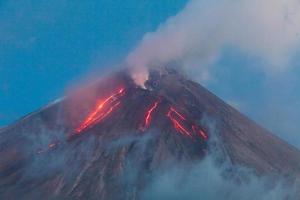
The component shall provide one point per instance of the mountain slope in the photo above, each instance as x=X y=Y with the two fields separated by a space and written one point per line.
x=105 y=141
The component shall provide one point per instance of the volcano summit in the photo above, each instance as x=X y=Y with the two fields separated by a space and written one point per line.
x=106 y=141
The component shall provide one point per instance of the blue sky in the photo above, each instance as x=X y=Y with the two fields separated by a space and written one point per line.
x=47 y=45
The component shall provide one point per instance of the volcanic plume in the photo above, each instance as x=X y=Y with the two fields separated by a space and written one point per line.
x=109 y=139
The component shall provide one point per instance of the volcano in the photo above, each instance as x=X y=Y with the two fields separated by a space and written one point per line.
x=105 y=141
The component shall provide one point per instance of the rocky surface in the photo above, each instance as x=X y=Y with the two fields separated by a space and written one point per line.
x=43 y=157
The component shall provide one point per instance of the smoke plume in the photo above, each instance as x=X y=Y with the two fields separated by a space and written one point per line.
x=266 y=29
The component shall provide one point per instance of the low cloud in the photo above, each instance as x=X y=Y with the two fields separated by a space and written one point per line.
x=206 y=180
x=214 y=177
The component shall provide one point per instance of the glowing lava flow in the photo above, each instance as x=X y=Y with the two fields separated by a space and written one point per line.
x=200 y=132
x=177 y=113
x=102 y=110
x=179 y=120
x=179 y=127
x=148 y=116
x=51 y=146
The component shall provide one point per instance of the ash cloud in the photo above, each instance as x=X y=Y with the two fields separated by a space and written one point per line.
x=266 y=29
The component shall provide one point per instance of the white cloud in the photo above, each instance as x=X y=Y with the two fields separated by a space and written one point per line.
x=267 y=29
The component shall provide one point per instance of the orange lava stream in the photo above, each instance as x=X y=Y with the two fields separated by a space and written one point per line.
x=148 y=117
x=203 y=135
x=100 y=112
x=200 y=132
x=177 y=113
x=51 y=146
x=179 y=126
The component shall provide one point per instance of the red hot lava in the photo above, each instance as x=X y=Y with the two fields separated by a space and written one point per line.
x=180 y=123
x=177 y=125
x=102 y=110
x=105 y=107
x=148 y=116
x=51 y=146
x=200 y=132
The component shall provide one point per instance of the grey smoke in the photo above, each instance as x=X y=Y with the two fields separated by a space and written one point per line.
x=214 y=177
x=206 y=180
x=209 y=179
x=267 y=29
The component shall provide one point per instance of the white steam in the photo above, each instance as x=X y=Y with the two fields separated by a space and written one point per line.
x=267 y=29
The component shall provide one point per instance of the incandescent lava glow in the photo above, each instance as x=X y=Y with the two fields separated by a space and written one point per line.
x=177 y=113
x=51 y=146
x=148 y=116
x=177 y=125
x=102 y=110
x=180 y=124
x=200 y=132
